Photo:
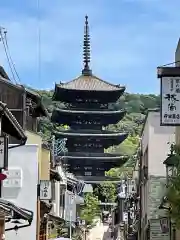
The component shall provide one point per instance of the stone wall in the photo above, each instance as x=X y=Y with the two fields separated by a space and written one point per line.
x=157 y=188
x=156 y=191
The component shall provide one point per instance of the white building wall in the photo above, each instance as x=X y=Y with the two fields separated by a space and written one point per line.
x=155 y=148
x=158 y=147
x=26 y=159
x=70 y=206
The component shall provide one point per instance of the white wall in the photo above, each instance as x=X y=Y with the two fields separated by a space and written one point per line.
x=70 y=206
x=25 y=158
x=158 y=148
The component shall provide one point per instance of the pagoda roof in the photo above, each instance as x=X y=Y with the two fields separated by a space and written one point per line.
x=90 y=83
x=106 y=157
x=61 y=115
x=99 y=168
x=87 y=86
x=91 y=133
x=97 y=179
x=95 y=112
x=92 y=163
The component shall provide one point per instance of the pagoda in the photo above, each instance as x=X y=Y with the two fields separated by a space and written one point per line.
x=86 y=111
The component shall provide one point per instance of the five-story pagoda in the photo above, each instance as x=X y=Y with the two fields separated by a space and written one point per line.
x=86 y=112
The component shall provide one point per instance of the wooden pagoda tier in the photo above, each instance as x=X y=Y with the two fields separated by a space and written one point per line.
x=98 y=179
x=90 y=165
x=87 y=117
x=85 y=88
x=76 y=156
x=86 y=139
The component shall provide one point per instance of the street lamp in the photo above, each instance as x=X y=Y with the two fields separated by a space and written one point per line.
x=171 y=162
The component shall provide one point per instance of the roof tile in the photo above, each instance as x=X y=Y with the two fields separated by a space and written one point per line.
x=91 y=83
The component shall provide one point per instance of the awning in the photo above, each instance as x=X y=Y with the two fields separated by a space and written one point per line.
x=60 y=238
x=54 y=174
x=78 y=185
x=10 y=125
x=79 y=200
x=46 y=206
x=12 y=211
x=55 y=218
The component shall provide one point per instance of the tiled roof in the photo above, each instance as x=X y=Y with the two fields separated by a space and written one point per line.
x=91 y=83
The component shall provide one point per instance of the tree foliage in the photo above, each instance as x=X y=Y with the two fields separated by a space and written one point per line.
x=90 y=209
x=173 y=188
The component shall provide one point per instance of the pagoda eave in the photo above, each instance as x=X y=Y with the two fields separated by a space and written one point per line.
x=105 y=159
x=65 y=116
x=95 y=164
x=64 y=94
x=95 y=134
x=75 y=169
x=97 y=179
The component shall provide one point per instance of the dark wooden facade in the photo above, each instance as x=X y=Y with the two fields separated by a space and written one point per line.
x=24 y=104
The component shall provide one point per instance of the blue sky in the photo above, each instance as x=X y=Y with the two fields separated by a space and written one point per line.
x=129 y=39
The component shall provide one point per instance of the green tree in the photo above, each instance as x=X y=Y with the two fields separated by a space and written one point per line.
x=173 y=196
x=173 y=188
x=91 y=209
x=107 y=191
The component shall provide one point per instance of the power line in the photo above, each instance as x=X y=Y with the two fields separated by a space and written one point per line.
x=12 y=62
x=168 y=64
x=39 y=39
x=6 y=53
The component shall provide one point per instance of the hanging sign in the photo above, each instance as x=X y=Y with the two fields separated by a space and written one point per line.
x=3 y=152
x=14 y=178
x=170 y=101
x=45 y=190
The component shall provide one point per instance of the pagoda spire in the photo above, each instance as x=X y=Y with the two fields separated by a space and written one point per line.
x=86 y=49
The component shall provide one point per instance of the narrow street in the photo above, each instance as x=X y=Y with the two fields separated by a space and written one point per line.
x=99 y=232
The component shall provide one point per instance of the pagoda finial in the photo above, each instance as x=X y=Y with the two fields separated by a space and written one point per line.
x=86 y=49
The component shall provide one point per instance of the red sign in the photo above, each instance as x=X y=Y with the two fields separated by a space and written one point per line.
x=2 y=176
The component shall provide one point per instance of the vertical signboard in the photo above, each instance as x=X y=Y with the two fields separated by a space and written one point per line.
x=170 y=101
x=45 y=190
x=3 y=152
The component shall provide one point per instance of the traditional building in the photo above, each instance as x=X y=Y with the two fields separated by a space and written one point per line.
x=25 y=104
x=152 y=175
x=86 y=111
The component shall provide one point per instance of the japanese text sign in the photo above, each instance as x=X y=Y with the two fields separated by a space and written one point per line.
x=3 y=152
x=170 y=101
x=45 y=190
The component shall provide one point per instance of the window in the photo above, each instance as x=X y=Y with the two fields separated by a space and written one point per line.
x=88 y=173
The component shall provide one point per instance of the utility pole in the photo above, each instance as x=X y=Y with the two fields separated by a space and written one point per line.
x=2 y=217
x=3 y=165
x=70 y=215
